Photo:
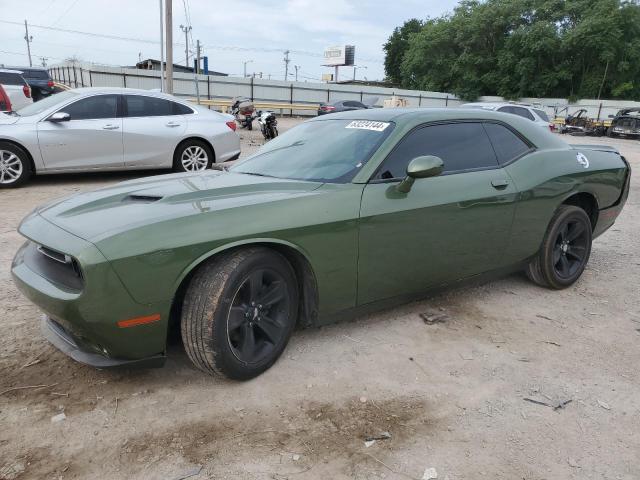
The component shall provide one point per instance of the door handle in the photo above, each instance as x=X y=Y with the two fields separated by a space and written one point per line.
x=173 y=124
x=500 y=183
x=110 y=127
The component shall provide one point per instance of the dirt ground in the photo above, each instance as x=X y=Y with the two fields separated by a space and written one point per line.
x=451 y=395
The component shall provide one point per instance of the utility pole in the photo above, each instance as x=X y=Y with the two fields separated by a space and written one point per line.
x=244 y=70
x=186 y=31
x=28 y=40
x=296 y=67
x=286 y=65
x=198 y=56
x=169 y=31
x=162 y=87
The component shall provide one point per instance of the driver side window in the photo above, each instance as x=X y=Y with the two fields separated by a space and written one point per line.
x=93 y=108
x=462 y=147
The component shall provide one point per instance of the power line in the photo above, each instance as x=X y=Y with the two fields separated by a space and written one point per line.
x=154 y=42
x=73 y=4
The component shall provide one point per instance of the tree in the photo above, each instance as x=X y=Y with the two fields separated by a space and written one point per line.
x=396 y=46
x=525 y=48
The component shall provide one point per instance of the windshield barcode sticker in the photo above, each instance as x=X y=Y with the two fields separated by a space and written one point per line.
x=368 y=125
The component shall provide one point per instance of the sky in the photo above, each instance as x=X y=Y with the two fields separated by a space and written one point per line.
x=231 y=32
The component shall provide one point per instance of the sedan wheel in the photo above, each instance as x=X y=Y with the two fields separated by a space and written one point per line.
x=239 y=311
x=565 y=249
x=192 y=156
x=14 y=166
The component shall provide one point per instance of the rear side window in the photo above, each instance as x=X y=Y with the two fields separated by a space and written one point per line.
x=142 y=106
x=508 y=145
x=523 y=112
x=541 y=114
x=11 y=79
x=461 y=146
x=92 y=108
x=353 y=104
x=179 y=109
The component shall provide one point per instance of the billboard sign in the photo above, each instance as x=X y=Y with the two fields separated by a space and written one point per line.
x=339 y=56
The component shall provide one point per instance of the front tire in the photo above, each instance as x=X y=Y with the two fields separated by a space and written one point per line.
x=565 y=249
x=239 y=311
x=15 y=166
x=192 y=156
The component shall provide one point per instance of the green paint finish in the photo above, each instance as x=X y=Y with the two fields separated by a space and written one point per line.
x=366 y=241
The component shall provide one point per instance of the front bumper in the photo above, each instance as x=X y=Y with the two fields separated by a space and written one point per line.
x=63 y=340
x=88 y=315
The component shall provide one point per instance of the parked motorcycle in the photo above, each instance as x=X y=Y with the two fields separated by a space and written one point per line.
x=242 y=108
x=268 y=125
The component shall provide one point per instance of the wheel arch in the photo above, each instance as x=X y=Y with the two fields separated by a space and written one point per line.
x=32 y=163
x=586 y=201
x=195 y=137
x=305 y=276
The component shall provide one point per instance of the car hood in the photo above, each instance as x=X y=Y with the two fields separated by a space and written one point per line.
x=7 y=119
x=96 y=215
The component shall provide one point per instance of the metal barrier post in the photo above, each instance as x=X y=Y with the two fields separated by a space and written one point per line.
x=291 y=98
x=446 y=101
x=124 y=79
x=75 y=77
x=90 y=79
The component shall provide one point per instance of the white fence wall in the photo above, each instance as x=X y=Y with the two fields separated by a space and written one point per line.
x=211 y=87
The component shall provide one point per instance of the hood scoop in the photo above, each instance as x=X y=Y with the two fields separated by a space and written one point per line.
x=140 y=198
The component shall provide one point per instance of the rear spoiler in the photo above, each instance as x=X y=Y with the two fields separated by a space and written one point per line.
x=598 y=148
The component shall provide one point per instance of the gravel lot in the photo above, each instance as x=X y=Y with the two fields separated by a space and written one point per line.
x=450 y=394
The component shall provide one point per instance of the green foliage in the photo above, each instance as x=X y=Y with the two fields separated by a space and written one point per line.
x=396 y=46
x=522 y=48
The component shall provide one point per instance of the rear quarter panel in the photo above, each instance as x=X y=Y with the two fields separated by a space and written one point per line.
x=546 y=178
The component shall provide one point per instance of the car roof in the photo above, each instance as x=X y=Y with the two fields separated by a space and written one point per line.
x=495 y=104
x=425 y=114
x=27 y=68
x=122 y=91
x=6 y=70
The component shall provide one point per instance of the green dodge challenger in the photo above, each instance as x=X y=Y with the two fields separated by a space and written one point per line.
x=342 y=214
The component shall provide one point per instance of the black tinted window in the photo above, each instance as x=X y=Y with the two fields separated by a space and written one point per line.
x=36 y=74
x=99 y=106
x=353 y=104
x=522 y=112
x=506 y=143
x=461 y=146
x=141 y=106
x=11 y=79
x=179 y=109
x=541 y=114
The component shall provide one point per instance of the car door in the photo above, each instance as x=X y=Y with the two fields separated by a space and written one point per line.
x=91 y=139
x=152 y=128
x=447 y=227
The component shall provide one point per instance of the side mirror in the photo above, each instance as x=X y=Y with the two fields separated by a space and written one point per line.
x=59 y=117
x=420 y=167
x=612 y=116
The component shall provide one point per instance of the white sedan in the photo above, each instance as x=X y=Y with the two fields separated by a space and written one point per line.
x=104 y=129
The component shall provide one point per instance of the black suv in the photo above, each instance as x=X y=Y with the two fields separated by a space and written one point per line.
x=38 y=79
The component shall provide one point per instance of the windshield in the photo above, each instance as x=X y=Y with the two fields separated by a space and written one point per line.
x=330 y=151
x=44 y=104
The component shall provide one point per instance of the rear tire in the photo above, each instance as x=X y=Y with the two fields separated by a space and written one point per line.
x=192 y=155
x=239 y=311
x=15 y=166
x=565 y=249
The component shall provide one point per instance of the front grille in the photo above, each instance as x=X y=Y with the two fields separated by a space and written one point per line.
x=55 y=266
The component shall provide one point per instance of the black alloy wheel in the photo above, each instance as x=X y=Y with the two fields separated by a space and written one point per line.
x=565 y=249
x=570 y=249
x=257 y=320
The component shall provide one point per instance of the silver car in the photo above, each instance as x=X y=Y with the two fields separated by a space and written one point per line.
x=103 y=129
x=536 y=115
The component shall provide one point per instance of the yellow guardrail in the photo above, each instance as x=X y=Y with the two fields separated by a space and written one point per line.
x=225 y=105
